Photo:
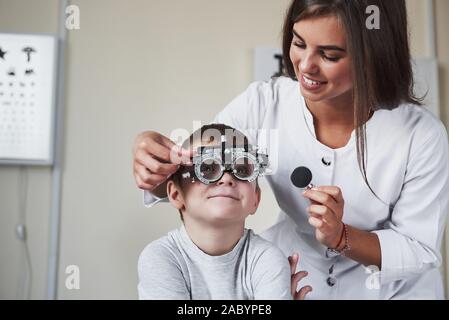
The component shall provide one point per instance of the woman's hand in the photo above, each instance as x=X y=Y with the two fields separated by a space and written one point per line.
x=296 y=277
x=326 y=213
x=155 y=159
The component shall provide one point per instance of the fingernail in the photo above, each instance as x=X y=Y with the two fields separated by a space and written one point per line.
x=176 y=148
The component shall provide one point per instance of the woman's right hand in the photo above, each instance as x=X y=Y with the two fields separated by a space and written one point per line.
x=156 y=158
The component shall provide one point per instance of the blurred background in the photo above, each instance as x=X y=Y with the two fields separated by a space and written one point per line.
x=132 y=66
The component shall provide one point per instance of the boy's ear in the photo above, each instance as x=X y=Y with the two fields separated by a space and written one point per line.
x=257 y=200
x=175 y=195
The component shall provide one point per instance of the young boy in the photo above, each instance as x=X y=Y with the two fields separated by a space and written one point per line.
x=212 y=255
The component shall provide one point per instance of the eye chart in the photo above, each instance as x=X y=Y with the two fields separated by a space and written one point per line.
x=27 y=98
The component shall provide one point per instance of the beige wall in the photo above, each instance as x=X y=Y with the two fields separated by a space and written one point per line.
x=35 y=17
x=135 y=65
x=442 y=25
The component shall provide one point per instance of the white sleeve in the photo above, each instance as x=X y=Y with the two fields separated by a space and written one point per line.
x=150 y=199
x=247 y=111
x=271 y=276
x=244 y=113
x=410 y=243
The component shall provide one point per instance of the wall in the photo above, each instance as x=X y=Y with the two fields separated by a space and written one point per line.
x=135 y=65
x=33 y=17
x=442 y=25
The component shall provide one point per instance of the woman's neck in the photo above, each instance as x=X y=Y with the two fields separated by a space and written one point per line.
x=333 y=113
x=333 y=120
x=214 y=240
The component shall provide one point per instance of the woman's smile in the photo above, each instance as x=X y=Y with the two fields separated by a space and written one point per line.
x=310 y=84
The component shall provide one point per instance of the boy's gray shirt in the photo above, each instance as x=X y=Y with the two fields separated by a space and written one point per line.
x=173 y=267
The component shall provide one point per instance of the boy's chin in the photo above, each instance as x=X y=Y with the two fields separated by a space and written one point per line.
x=226 y=214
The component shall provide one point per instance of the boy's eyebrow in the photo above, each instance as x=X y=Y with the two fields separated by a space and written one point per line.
x=327 y=47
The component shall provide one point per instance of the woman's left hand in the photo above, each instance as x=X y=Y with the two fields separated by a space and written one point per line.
x=326 y=213
x=296 y=277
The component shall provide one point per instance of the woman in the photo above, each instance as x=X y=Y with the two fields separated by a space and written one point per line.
x=346 y=110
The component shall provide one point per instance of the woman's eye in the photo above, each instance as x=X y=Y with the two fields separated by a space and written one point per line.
x=300 y=45
x=303 y=46
x=333 y=59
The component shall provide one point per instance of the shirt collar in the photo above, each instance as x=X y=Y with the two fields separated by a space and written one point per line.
x=311 y=127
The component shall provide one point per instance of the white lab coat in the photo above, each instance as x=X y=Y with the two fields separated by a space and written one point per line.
x=407 y=167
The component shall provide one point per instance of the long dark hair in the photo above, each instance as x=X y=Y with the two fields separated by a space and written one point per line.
x=381 y=62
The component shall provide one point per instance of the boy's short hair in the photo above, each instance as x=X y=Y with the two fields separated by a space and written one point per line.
x=211 y=133
x=207 y=135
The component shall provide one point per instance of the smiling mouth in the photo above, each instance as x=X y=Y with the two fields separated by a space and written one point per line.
x=311 y=85
x=312 y=82
x=223 y=196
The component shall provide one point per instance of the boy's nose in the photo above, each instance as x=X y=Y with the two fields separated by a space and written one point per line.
x=227 y=179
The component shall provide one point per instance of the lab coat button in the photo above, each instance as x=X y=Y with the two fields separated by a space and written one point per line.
x=331 y=281
x=326 y=161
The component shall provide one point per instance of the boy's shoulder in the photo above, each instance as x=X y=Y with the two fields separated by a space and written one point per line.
x=260 y=247
x=164 y=248
x=168 y=249
x=269 y=270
